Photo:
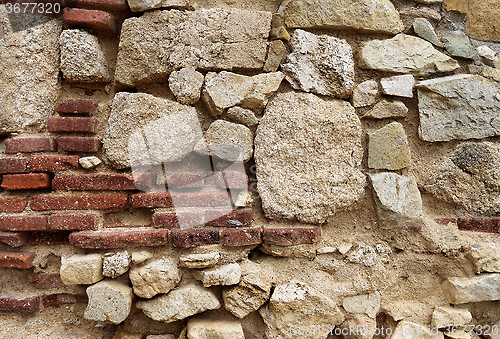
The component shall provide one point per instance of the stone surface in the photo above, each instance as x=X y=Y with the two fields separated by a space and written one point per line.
x=457 y=43
x=425 y=30
x=180 y=303
x=388 y=148
x=81 y=269
x=143 y=5
x=404 y=54
x=397 y=200
x=460 y=106
x=378 y=16
x=159 y=42
x=89 y=162
x=482 y=19
x=399 y=85
x=137 y=130
x=387 y=109
x=358 y=326
x=365 y=94
x=363 y=254
x=241 y=115
x=275 y=55
x=365 y=303
x=156 y=277
x=485 y=257
x=108 y=301
x=308 y=176
x=220 y=329
x=486 y=52
x=186 y=85
x=82 y=58
x=224 y=275
x=456 y=5
x=116 y=264
x=444 y=316
x=320 y=64
x=201 y=260
x=483 y=287
x=248 y=296
x=409 y=330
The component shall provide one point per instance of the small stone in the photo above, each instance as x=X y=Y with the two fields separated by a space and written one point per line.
x=364 y=255
x=115 y=264
x=365 y=303
x=202 y=260
x=409 y=330
x=143 y=5
x=492 y=73
x=326 y=250
x=89 y=162
x=344 y=248
x=275 y=55
x=486 y=52
x=244 y=199
x=157 y=277
x=186 y=85
x=279 y=33
x=458 y=44
x=483 y=287
x=400 y=85
x=82 y=269
x=108 y=301
x=139 y=257
x=387 y=109
x=241 y=115
x=456 y=5
x=358 y=327
x=220 y=329
x=223 y=275
x=388 y=148
x=250 y=294
x=485 y=257
x=178 y=4
x=425 y=30
x=444 y=316
x=365 y=94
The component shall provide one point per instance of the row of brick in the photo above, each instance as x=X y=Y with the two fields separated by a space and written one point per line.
x=487 y=225
x=50 y=144
x=39 y=163
x=14 y=302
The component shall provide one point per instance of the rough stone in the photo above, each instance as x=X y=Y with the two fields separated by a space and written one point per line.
x=364 y=255
x=82 y=58
x=220 y=329
x=365 y=303
x=139 y=257
x=186 y=85
x=143 y=5
x=425 y=30
x=242 y=116
x=458 y=44
x=156 y=277
x=456 y=5
x=248 y=296
x=180 y=303
x=200 y=260
x=399 y=85
x=244 y=199
x=485 y=257
x=145 y=130
x=388 y=148
x=409 y=330
x=444 y=316
x=115 y=264
x=358 y=326
x=404 y=54
x=275 y=55
x=483 y=287
x=124 y=334
x=377 y=16
x=482 y=19
x=365 y=94
x=159 y=42
x=320 y=64
x=81 y=269
x=387 y=109
x=397 y=200
x=89 y=162
x=326 y=250
x=460 y=106
x=223 y=275
x=161 y=336
x=486 y=52
x=307 y=251
x=108 y=301
x=308 y=176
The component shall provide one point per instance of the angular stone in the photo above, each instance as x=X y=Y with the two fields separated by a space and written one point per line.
x=205 y=39
x=397 y=200
x=377 y=16
x=485 y=257
x=425 y=30
x=460 y=106
x=308 y=176
x=409 y=330
x=458 y=44
x=109 y=300
x=201 y=260
x=223 y=275
x=156 y=277
x=399 y=85
x=81 y=269
x=365 y=94
x=486 y=52
x=178 y=4
x=320 y=64
x=89 y=162
x=404 y=54
x=248 y=296
x=180 y=303
x=143 y=5
x=116 y=264
x=444 y=316
x=220 y=329
x=482 y=19
x=483 y=287
x=82 y=59
x=387 y=109
x=242 y=116
x=186 y=85
x=275 y=55
x=365 y=303
x=388 y=148
x=456 y=5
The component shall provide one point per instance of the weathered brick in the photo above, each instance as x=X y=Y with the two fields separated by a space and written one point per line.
x=31 y=181
x=52 y=300
x=13 y=204
x=151 y=200
x=488 y=225
x=73 y=222
x=99 y=240
x=13 y=165
x=23 y=222
x=14 y=239
x=28 y=145
x=241 y=236
x=201 y=199
x=49 y=238
x=53 y=163
x=96 y=20
x=10 y=302
x=71 y=124
x=110 y=5
x=194 y=237
x=101 y=182
x=46 y=280
x=79 y=144
x=232 y=179
x=190 y=180
x=291 y=236
x=22 y=260
x=79 y=202
x=445 y=221
x=234 y=218
x=178 y=219
x=77 y=106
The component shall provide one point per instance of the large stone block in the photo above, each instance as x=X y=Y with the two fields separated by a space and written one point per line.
x=109 y=301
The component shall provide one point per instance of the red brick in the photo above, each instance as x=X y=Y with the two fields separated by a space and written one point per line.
x=101 y=182
x=13 y=204
x=49 y=238
x=23 y=222
x=73 y=222
x=53 y=163
x=241 y=236
x=234 y=218
x=46 y=281
x=79 y=202
x=445 y=221
x=151 y=200
x=71 y=124
x=100 y=240
x=98 y=21
x=28 y=145
x=190 y=180
x=23 y=260
x=77 y=106
x=201 y=199
x=291 y=236
x=31 y=181
x=111 y=5
x=13 y=165
x=79 y=144
x=178 y=219
x=14 y=239
x=9 y=302
x=232 y=179
x=52 y=300
x=194 y=237
x=487 y=225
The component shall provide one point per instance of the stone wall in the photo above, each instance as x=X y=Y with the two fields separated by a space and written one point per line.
x=232 y=169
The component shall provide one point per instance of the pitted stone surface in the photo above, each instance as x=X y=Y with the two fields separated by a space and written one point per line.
x=483 y=287
x=109 y=301
x=248 y=296
x=388 y=148
x=186 y=85
x=224 y=275
x=220 y=329
x=156 y=277
x=116 y=264
x=81 y=269
x=387 y=109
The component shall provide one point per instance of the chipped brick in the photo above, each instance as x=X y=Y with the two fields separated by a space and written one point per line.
x=31 y=181
x=151 y=200
x=234 y=218
x=96 y=20
x=73 y=222
x=14 y=239
x=22 y=260
x=291 y=236
x=487 y=225
x=49 y=163
x=79 y=144
x=71 y=124
x=79 y=202
x=23 y=222
x=194 y=237
x=241 y=236
x=77 y=106
x=9 y=302
x=13 y=204
x=101 y=182
x=178 y=219
x=100 y=240
x=13 y=165
x=28 y=145
x=45 y=280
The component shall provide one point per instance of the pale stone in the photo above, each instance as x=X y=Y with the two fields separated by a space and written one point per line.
x=420 y=12
x=326 y=250
x=156 y=277
x=399 y=85
x=397 y=200
x=248 y=296
x=244 y=199
x=387 y=109
x=108 y=301
x=365 y=303
x=364 y=255
x=483 y=287
x=211 y=329
x=159 y=42
x=82 y=58
x=409 y=330
x=485 y=256
x=222 y=275
x=460 y=106
x=140 y=256
x=89 y=162
x=458 y=44
x=377 y=16
x=186 y=85
x=404 y=54
x=486 y=52
x=359 y=326
x=320 y=64
x=308 y=176
x=200 y=260
x=456 y=5
x=365 y=94
x=275 y=55
x=241 y=115
x=425 y=30
x=143 y=5
x=297 y=251
x=280 y=33
x=388 y=148
x=180 y=303
x=344 y=248
x=178 y=4
x=444 y=316
x=491 y=73
x=116 y=264
x=482 y=19
x=83 y=269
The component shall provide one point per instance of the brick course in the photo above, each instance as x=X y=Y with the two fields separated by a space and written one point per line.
x=49 y=163
x=13 y=204
x=291 y=236
x=487 y=225
x=49 y=238
x=79 y=144
x=76 y=106
x=31 y=181
x=96 y=20
x=23 y=222
x=241 y=236
x=22 y=260
x=29 y=145
x=194 y=238
x=71 y=124
x=13 y=165
x=14 y=239
x=112 y=239
x=45 y=280
x=9 y=302
x=234 y=218
x=73 y=222
x=175 y=220
x=79 y=202
x=101 y=182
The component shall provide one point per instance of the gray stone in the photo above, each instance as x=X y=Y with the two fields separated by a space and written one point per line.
x=275 y=55
x=223 y=275
x=458 y=44
x=248 y=296
x=445 y=316
x=483 y=287
x=364 y=303
x=485 y=256
x=425 y=30
x=159 y=42
x=399 y=85
x=404 y=54
x=186 y=85
x=89 y=162
x=387 y=109
x=220 y=329
x=200 y=260
x=116 y=264
x=409 y=330
x=388 y=148
x=308 y=175
x=365 y=94
x=109 y=300
x=83 y=269
x=242 y=116
x=156 y=277
x=460 y=106
x=320 y=64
